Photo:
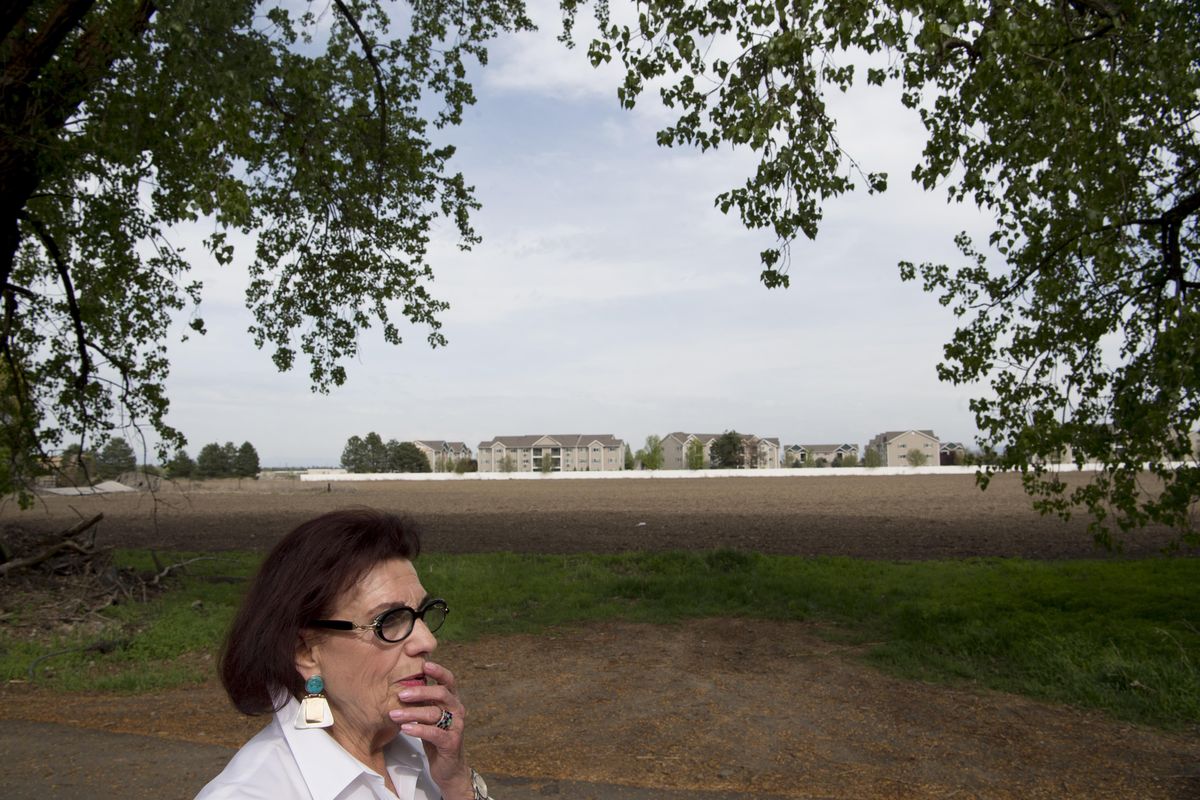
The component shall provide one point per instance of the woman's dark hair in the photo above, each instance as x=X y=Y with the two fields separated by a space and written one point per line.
x=300 y=580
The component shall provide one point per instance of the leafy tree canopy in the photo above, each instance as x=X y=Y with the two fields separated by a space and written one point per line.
x=695 y=454
x=652 y=454
x=1072 y=124
x=212 y=462
x=309 y=131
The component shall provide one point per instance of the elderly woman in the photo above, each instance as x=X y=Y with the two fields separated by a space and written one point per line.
x=334 y=638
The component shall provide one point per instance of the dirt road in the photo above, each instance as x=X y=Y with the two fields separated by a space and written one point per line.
x=738 y=709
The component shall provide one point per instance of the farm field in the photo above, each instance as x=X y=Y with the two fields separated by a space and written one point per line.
x=888 y=517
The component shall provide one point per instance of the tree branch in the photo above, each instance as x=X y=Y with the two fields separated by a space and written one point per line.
x=16 y=375
x=380 y=89
x=64 y=274
x=11 y=15
x=29 y=58
x=29 y=117
x=21 y=290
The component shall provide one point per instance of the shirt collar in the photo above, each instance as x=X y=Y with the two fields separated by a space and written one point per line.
x=326 y=767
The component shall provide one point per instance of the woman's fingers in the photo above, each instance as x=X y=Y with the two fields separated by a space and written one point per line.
x=440 y=693
x=431 y=715
x=427 y=706
x=424 y=707
x=440 y=675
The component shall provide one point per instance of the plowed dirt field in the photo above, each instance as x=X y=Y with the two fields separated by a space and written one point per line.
x=888 y=517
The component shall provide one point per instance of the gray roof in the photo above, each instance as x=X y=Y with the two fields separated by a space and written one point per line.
x=562 y=440
x=708 y=437
x=439 y=444
x=887 y=436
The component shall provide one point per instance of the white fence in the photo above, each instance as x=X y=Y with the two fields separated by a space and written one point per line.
x=660 y=474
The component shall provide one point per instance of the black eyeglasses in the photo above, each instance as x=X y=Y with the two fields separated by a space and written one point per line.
x=395 y=624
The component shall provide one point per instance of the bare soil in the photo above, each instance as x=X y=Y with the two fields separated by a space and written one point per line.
x=885 y=517
x=755 y=707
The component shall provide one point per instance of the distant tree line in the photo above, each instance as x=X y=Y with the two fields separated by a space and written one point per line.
x=215 y=461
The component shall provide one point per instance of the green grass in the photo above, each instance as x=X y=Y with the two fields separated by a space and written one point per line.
x=1121 y=636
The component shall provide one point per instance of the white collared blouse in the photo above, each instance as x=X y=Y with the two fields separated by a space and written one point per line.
x=282 y=762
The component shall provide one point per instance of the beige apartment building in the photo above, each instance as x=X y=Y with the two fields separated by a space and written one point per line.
x=894 y=446
x=443 y=455
x=757 y=452
x=953 y=453
x=815 y=453
x=574 y=452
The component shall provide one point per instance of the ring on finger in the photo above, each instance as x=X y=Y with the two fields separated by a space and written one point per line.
x=445 y=721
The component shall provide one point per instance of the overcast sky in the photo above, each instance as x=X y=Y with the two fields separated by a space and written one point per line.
x=610 y=296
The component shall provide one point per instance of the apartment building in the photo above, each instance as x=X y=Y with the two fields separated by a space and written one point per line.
x=574 y=452
x=757 y=452
x=815 y=453
x=894 y=446
x=443 y=455
x=952 y=453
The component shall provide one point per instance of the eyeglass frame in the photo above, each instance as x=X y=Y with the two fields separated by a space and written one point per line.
x=376 y=624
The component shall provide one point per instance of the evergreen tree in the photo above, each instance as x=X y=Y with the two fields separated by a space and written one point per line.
x=406 y=457
x=377 y=453
x=115 y=459
x=245 y=463
x=181 y=465
x=354 y=455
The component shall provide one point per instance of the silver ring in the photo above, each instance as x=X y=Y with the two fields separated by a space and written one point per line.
x=445 y=720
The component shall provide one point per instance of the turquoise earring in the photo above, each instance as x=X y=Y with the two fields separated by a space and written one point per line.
x=314 y=708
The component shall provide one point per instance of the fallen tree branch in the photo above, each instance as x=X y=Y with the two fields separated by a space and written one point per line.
x=166 y=571
x=66 y=543
x=103 y=646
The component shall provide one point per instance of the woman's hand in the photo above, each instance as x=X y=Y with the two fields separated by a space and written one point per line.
x=443 y=747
